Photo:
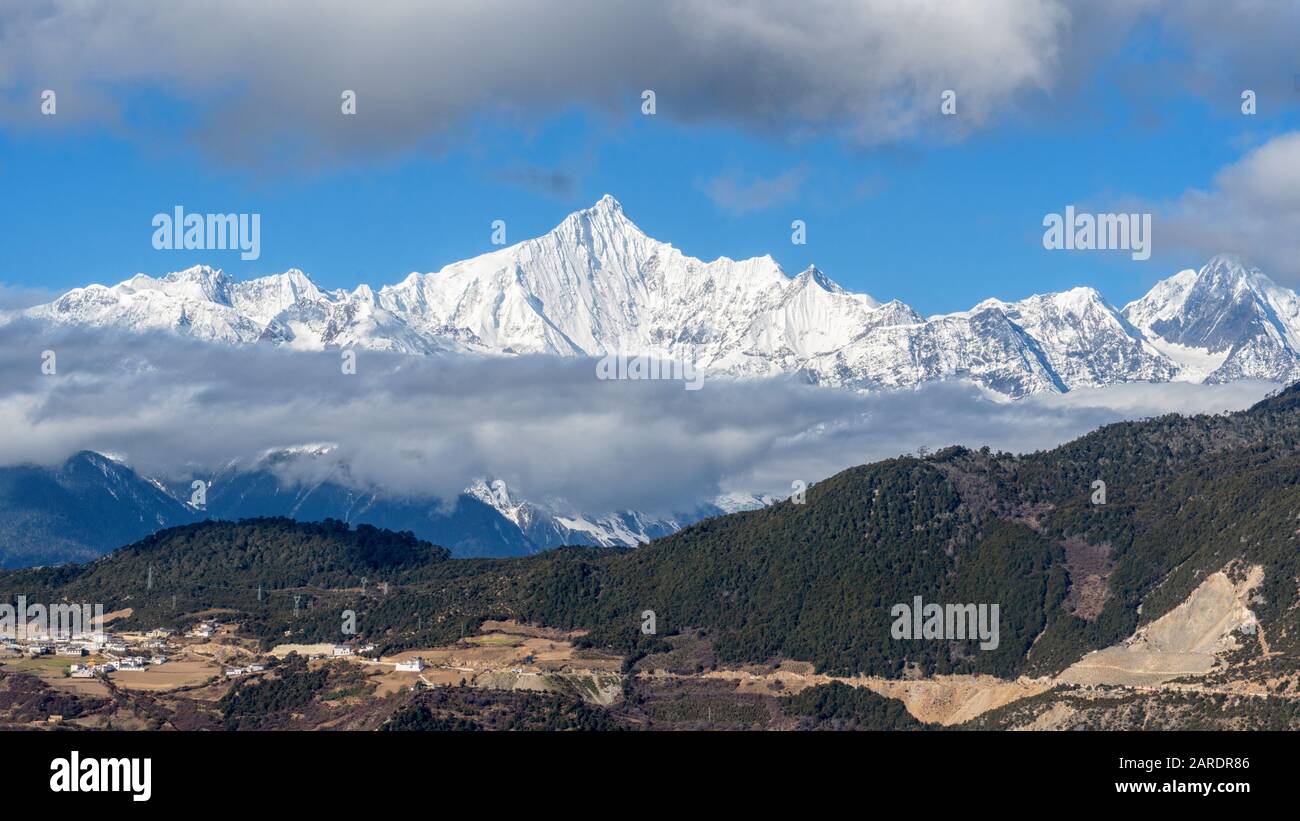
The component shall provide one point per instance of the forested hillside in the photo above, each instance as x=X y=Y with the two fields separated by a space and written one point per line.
x=1184 y=497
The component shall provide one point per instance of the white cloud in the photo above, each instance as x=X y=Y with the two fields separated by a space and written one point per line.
x=429 y=425
x=732 y=192
x=1252 y=209
x=17 y=297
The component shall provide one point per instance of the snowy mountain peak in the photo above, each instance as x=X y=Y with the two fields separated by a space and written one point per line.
x=198 y=273
x=496 y=495
x=1226 y=274
x=814 y=275
x=201 y=282
x=596 y=284
x=1225 y=263
x=606 y=219
x=1223 y=322
x=265 y=298
x=606 y=205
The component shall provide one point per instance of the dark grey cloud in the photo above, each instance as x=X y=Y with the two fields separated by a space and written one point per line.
x=553 y=182
x=266 y=78
x=547 y=426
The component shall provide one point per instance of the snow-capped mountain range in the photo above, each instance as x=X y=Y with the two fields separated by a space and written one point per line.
x=596 y=285
x=93 y=503
x=486 y=519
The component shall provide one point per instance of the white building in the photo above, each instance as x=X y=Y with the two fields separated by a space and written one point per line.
x=342 y=650
x=413 y=666
x=202 y=630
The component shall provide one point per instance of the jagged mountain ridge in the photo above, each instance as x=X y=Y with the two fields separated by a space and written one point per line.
x=78 y=510
x=92 y=504
x=597 y=284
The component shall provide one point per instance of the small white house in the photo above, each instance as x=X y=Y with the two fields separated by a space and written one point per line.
x=203 y=630
x=413 y=666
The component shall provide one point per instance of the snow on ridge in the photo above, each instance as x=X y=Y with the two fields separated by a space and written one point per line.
x=596 y=284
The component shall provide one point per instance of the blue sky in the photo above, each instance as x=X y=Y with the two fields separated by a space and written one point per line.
x=937 y=216
x=470 y=111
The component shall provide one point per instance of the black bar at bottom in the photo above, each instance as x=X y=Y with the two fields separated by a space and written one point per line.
x=995 y=770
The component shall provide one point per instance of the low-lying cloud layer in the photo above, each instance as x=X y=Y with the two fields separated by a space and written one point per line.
x=550 y=429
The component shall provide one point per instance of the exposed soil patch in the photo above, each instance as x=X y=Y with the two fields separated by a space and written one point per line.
x=1186 y=641
x=1089 y=566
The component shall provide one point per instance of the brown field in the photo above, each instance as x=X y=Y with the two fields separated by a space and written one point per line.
x=282 y=650
x=80 y=686
x=50 y=669
x=505 y=656
x=500 y=650
x=392 y=682
x=173 y=674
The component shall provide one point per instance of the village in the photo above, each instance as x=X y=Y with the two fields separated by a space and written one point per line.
x=205 y=658
x=158 y=658
x=100 y=653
